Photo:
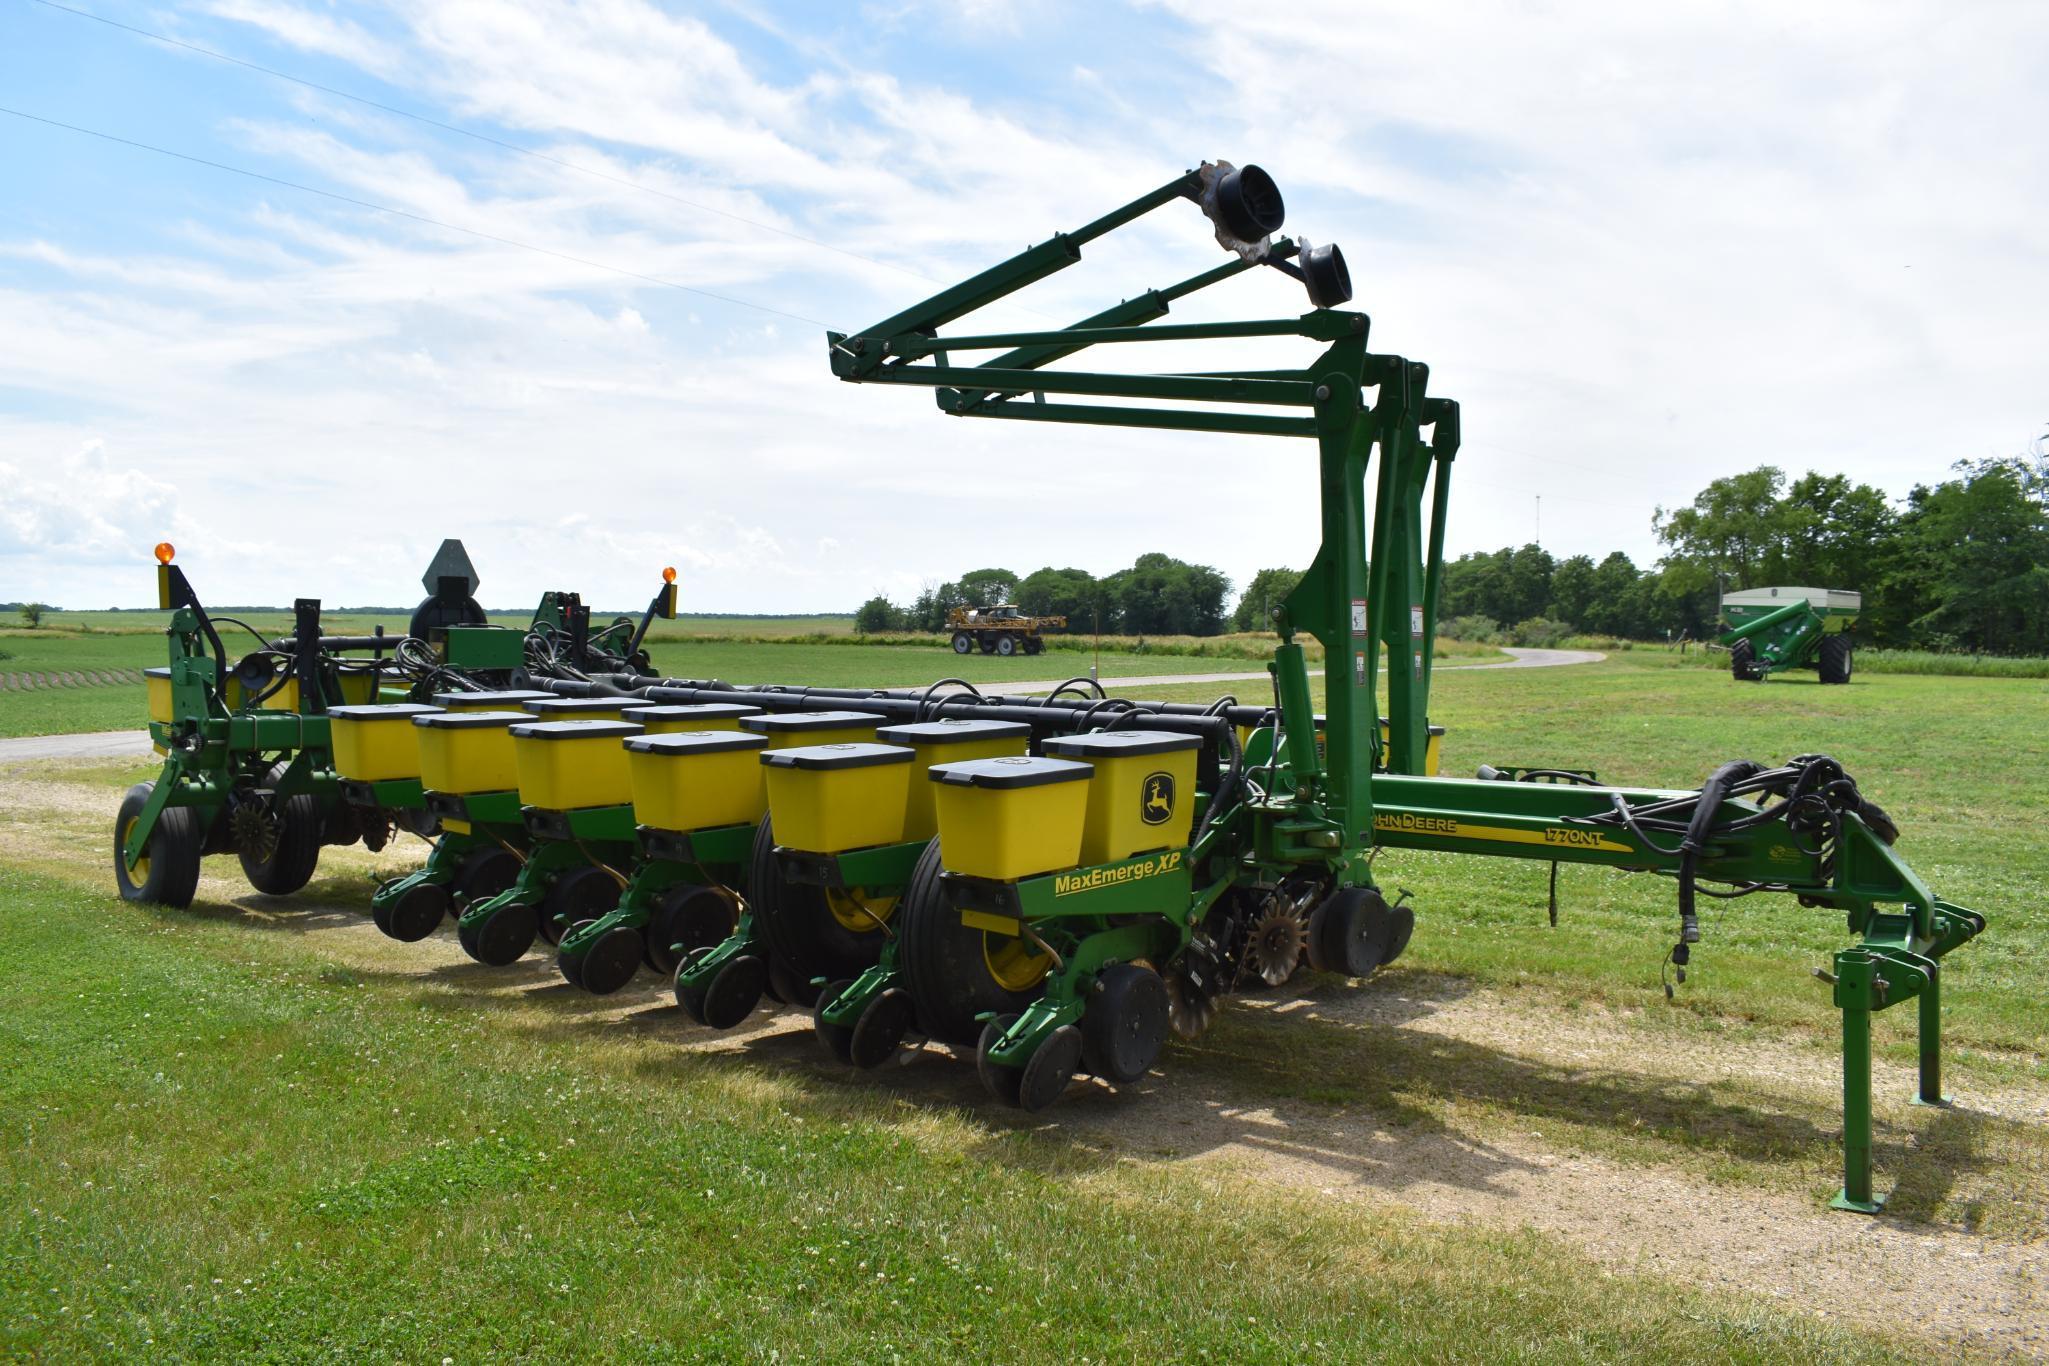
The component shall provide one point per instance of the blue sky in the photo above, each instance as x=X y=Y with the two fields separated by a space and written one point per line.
x=1643 y=245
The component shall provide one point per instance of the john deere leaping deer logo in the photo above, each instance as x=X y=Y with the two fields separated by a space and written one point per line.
x=1156 y=802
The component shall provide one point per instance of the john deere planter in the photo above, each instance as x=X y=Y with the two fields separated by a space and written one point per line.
x=1058 y=883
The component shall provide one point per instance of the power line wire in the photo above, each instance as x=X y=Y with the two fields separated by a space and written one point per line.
x=480 y=137
x=415 y=217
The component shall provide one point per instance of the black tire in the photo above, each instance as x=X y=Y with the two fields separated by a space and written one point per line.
x=1045 y=1078
x=998 y=1080
x=838 y=1039
x=1834 y=659
x=882 y=1028
x=168 y=874
x=963 y=643
x=731 y=996
x=801 y=926
x=578 y=895
x=945 y=966
x=415 y=915
x=1034 y=646
x=1743 y=662
x=504 y=938
x=609 y=964
x=687 y=914
x=483 y=874
x=988 y=644
x=1125 y=1025
x=1006 y=645
x=1354 y=932
x=300 y=833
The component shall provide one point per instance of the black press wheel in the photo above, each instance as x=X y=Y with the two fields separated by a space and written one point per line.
x=168 y=871
x=483 y=874
x=1000 y=1081
x=687 y=917
x=884 y=1025
x=838 y=1039
x=1834 y=659
x=734 y=992
x=579 y=894
x=1125 y=1025
x=954 y=972
x=1044 y=1079
x=1354 y=932
x=963 y=643
x=813 y=932
x=610 y=962
x=504 y=938
x=299 y=828
x=415 y=915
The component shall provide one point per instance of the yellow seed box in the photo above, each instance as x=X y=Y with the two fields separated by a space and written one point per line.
x=1010 y=817
x=697 y=780
x=826 y=799
x=1142 y=796
x=679 y=719
x=791 y=728
x=947 y=742
x=567 y=765
x=468 y=751
x=375 y=744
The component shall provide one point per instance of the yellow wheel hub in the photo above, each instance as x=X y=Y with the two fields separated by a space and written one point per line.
x=1016 y=964
x=857 y=913
x=140 y=873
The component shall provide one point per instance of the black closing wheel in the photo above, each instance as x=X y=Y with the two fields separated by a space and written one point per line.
x=1044 y=1079
x=688 y=916
x=1125 y=1024
x=882 y=1028
x=734 y=992
x=610 y=962
x=838 y=1039
x=689 y=998
x=483 y=874
x=813 y=932
x=1834 y=659
x=957 y=973
x=1353 y=932
x=963 y=643
x=505 y=937
x=417 y=914
x=579 y=894
x=285 y=863
x=168 y=871
x=1000 y=1081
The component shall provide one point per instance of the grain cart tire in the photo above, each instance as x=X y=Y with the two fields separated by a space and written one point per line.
x=415 y=915
x=998 y=1080
x=1006 y=645
x=813 y=931
x=1125 y=1025
x=1045 y=1078
x=955 y=972
x=168 y=872
x=838 y=1039
x=1353 y=932
x=483 y=874
x=1834 y=659
x=296 y=851
x=963 y=643
x=1743 y=662
x=688 y=915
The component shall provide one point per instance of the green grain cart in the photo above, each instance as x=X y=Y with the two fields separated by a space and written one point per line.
x=1770 y=629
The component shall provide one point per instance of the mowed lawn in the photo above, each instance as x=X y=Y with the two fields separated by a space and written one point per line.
x=248 y=1130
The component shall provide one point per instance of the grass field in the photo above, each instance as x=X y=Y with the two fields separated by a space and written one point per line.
x=249 y=1128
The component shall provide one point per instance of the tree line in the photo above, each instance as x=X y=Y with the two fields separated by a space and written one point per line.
x=1962 y=564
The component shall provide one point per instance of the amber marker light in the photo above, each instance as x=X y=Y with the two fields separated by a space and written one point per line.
x=165 y=550
x=669 y=574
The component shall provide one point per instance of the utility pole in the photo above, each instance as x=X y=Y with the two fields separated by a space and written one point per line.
x=1540 y=519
